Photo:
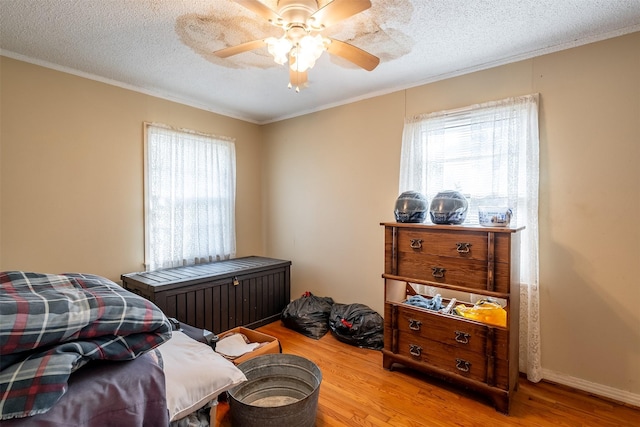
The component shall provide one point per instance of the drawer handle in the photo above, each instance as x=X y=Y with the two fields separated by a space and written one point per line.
x=415 y=350
x=438 y=272
x=463 y=247
x=416 y=243
x=462 y=337
x=414 y=324
x=463 y=365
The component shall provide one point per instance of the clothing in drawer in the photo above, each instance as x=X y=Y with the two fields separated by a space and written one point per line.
x=454 y=359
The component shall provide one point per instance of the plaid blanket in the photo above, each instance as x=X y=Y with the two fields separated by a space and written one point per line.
x=51 y=325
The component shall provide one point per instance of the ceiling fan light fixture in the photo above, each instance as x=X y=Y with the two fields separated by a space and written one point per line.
x=301 y=55
x=279 y=48
x=307 y=51
x=315 y=45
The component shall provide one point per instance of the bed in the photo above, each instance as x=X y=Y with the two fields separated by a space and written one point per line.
x=79 y=350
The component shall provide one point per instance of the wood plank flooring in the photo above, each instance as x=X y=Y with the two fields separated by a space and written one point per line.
x=357 y=391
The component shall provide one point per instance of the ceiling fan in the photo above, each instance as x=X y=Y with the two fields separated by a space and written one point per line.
x=302 y=44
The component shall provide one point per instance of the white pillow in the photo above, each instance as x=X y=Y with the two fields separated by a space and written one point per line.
x=194 y=374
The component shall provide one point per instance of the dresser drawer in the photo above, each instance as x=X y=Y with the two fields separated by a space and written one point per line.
x=454 y=359
x=450 y=330
x=463 y=245
x=472 y=274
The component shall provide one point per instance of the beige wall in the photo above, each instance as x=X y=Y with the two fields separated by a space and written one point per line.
x=328 y=191
x=72 y=171
x=71 y=190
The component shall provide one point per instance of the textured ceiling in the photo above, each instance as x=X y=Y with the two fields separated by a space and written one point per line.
x=164 y=47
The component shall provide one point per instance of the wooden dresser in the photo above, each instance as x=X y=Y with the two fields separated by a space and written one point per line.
x=218 y=296
x=460 y=261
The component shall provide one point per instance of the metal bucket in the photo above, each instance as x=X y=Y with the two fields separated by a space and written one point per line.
x=281 y=390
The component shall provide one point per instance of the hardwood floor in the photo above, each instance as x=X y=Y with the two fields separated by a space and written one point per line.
x=357 y=391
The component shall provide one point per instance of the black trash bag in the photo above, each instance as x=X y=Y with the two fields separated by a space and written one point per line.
x=308 y=315
x=358 y=325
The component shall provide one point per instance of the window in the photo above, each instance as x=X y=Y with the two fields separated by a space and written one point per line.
x=489 y=153
x=189 y=197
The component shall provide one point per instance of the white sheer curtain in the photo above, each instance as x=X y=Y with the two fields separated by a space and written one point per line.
x=190 y=187
x=488 y=152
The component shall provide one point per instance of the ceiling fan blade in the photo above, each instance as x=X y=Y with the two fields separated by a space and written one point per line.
x=243 y=47
x=260 y=9
x=297 y=78
x=337 y=10
x=353 y=54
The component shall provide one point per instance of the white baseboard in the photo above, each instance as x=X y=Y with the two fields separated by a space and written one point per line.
x=594 y=388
